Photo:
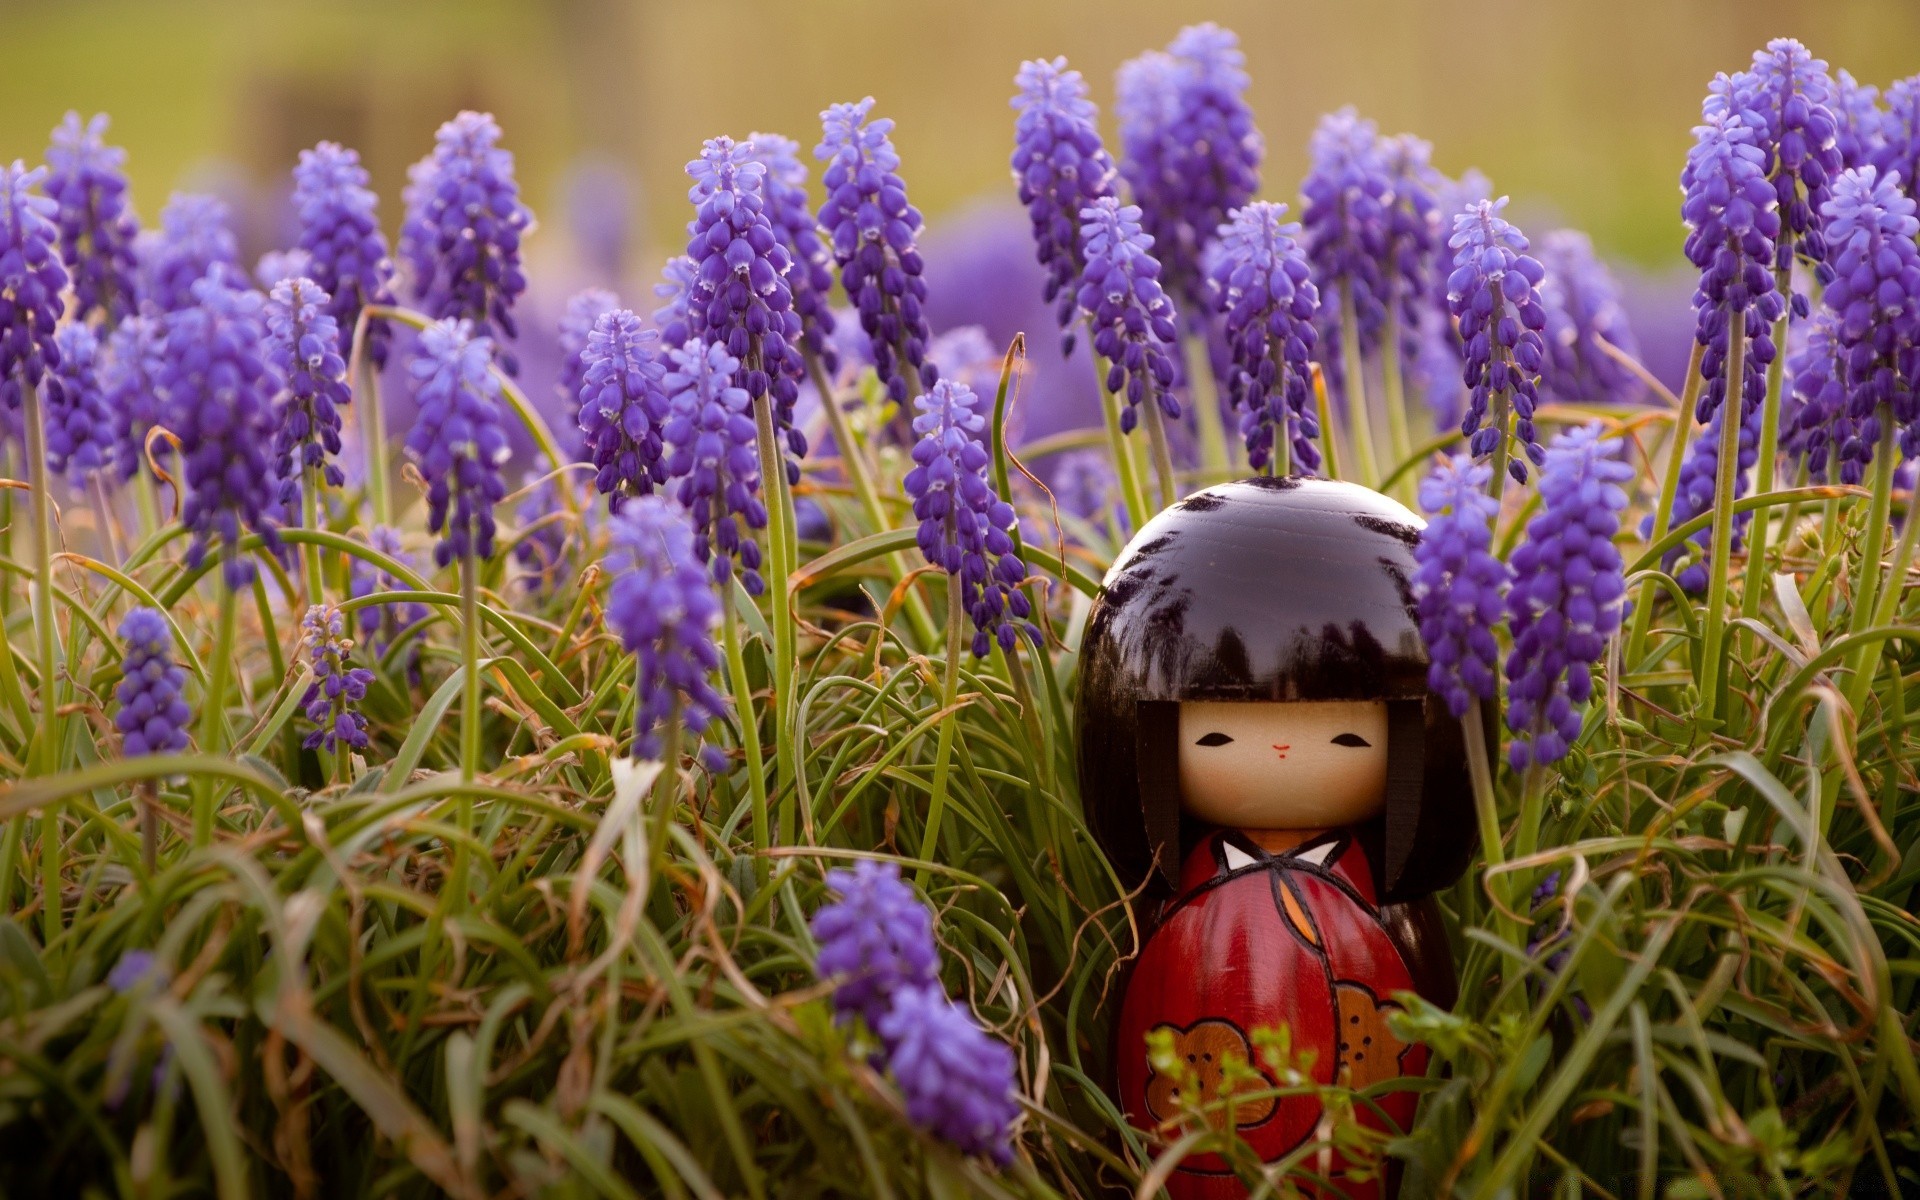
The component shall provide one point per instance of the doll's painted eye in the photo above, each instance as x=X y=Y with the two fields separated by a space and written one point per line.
x=1214 y=739
x=1351 y=739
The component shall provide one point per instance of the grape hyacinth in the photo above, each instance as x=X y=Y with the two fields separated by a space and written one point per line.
x=1413 y=233
x=1820 y=427
x=130 y=376
x=1732 y=219
x=1857 y=120
x=664 y=608
x=31 y=280
x=1876 y=293
x=874 y=233
x=1460 y=586
x=963 y=524
x=138 y=970
x=1192 y=152
x=1132 y=318
x=957 y=1080
x=1346 y=196
x=876 y=941
x=1695 y=494
x=346 y=249
x=810 y=276
x=623 y=409
x=1899 y=152
x=381 y=625
x=1568 y=592
x=303 y=345
x=219 y=395
x=1261 y=285
x=195 y=239
x=576 y=326
x=459 y=440
x=1492 y=292
x=276 y=265
x=332 y=701
x=462 y=231
x=87 y=180
x=710 y=429
x=153 y=718
x=1062 y=168
x=1084 y=484
x=676 y=283
x=1582 y=304
x=80 y=440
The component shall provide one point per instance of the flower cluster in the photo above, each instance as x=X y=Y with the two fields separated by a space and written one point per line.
x=195 y=239
x=623 y=408
x=1819 y=429
x=219 y=396
x=1131 y=317
x=710 y=429
x=810 y=277
x=1582 y=304
x=672 y=318
x=130 y=377
x=459 y=440
x=382 y=624
x=1899 y=135
x=463 y=228
x=1699 y=471
x=1061 y=168
x=1856 y=120
x=875 y=941
x=584 y=308
x=80 y=441
x=1732 y=222
x=1261 y=284
x=1460 y=587
x=963 y=524
x=1347 y=194
x=87 y=179
x=1492 y=292
x=1785 y=100
x=152 y=718
x=31 y=280
x=874 y=234
x=1568 y=593
x=303 y=345
x=332 y=700
x=664 y=608
x=1875 y=294
x=346 y=250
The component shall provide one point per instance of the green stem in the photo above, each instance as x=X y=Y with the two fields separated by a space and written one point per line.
x=773 y=482
x=1759 y=531
x=1130 y=489
x=1355 y=384
x=1162 y=455
x=310 y=517
x=1399 y=433
x=1864 y=659
x=1502 y=418
x=470 y=712
x=1216 y=463
x=1720 y=562
x=1663 y=509
x=45 y=759
x=749 y=737
x=373 y=431
x=213 y=711
x=666 y=791
x=943 y=748
x=1329 y=445
x=1486 y=806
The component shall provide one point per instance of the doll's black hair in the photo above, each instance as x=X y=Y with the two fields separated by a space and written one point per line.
x=1267 y=589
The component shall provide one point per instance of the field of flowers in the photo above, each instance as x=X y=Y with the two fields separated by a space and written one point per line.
x=413 y=786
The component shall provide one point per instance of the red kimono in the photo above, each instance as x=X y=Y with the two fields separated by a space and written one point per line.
x=1256 y=940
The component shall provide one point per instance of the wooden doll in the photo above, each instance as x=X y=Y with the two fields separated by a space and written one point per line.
x=1260 y=754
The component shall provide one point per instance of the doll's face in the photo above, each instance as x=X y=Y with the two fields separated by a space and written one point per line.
x=1311 y=764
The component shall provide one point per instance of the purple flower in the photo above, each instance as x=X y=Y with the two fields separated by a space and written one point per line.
x=1492 y=292
x=664 y=607
x=87 y=179
x=875 y=941
x=1192 y=153
x=1567 y=596
x=195 y=239
x=1261 y=284
x=677 y=276
x=463 y=228
x=811 y=275
x=346 y=250
x=152 y=718
x=382 y=624
x=1460 y=587
x=332 y=700
x=219 y=403
x=1875 y=293
x=1820 y=427
x=963 y=524
x=1732 y=221
x=131 y=373
x=1857 y=120
x=80 y=439
x=1085 y=486
x=623 y=409
x=1347 y=194
x=458 y=440
x=137 y=968
x=303 y=345
x=957 y=1080
x=276 y=265
x=1899 y=151
x=874 y=231
x=1062 y=168
x=1132 y=318
x=710 y=429
x=576 y=326
x=31 y=280
x=1582 y=304
x=1695 y=494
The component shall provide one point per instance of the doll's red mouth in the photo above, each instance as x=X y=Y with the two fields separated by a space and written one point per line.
x=1283 y=749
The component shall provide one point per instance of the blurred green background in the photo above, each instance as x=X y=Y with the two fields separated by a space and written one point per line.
x=1580 y=110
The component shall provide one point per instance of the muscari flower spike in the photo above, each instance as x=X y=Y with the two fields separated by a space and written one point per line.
x=1732 y=217
x=963 y=524
x=87 y=179
x=1460 y=586
x=332 y=701
x=459 y=439
x=957 y=1080
x=1347 y=194
x=1857 y=120
x=623 y=407
x=1582 y=304
x=130 y=375
x=219 y=403
x=153 y=718
x=576 y=326
x=810 y=277
x=1876 y=293
x=664 y=608
x=463 y=228
x=1695 y=494
x=303 y=345
x=676 y=283
x=346 y=249
x=710 y=431
x=1567 y=598
x=1819 y=427
x=383 y=624
x=1492 y=292
x=1061 y=167
x=195 y=239
x=1262 y=286
x=874 y=234
x=80 y=441
x=1133 y=321
x=31 y=280
x=875 y=941
x=1084 y=485
x=1899 y=150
